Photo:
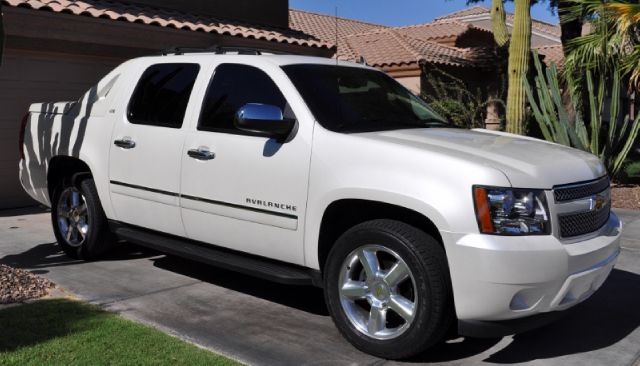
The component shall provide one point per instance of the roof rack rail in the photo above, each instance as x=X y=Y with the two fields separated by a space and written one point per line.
x=219 y=50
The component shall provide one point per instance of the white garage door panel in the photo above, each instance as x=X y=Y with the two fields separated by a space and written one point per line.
x=28 y=77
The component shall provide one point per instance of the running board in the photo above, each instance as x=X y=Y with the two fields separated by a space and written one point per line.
x=251 y=265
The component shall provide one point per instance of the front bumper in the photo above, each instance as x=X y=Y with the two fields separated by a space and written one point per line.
x=500 y=278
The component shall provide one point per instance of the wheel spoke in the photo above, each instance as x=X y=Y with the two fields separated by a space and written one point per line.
x=398 y=273
x=354 y=290
x=82 y=229
x=402 y=306
x=377 y=320
x=75 y=199
x=369 y=261
x=69 y=233
x=82 y=210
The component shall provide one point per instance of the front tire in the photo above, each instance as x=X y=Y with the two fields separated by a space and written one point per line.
x=388 y=290
x=79 y=223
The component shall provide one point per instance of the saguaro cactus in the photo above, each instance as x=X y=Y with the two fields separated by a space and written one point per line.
x=499 y=23
x=519 y=50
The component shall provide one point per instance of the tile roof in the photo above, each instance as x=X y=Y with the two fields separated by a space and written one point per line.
x=552 y=54
x=323 y=27
x=476 y=11
x=168 y=18
x=388 y=47
x=438 y=30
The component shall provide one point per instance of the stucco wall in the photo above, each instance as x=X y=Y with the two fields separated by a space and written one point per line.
x=410 y=82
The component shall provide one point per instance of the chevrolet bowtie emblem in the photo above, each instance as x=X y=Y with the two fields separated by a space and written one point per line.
x=597 y=202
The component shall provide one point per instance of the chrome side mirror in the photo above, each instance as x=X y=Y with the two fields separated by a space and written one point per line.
x=263 y=120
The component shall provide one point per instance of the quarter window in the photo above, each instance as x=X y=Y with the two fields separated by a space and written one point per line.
x=162 y=95
x=233 y=86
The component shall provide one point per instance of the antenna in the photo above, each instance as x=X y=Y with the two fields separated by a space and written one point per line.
x=336 y=35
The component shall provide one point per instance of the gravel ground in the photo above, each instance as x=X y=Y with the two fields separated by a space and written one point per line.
x=626 y=196
x=17 y=285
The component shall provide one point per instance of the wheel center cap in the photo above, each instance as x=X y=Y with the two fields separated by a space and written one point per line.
x=381 y=291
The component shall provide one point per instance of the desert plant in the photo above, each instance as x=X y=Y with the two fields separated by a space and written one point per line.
x=499 y=23
x=451 y=98
x=519 y=50
x=613 y=43
x=549 y=111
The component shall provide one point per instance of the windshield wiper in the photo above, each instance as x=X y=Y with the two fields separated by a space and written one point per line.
x=434 y=122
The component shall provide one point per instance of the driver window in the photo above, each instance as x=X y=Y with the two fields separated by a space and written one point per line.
x=231 y=87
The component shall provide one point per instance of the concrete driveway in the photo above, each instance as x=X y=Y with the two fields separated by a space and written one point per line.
x=262 y=323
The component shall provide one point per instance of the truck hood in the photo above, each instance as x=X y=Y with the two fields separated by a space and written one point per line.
x=527 y=162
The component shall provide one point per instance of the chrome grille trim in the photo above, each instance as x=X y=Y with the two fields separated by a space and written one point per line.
x=570 y=192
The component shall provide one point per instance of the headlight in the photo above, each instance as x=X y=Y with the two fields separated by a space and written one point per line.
x=511 y=211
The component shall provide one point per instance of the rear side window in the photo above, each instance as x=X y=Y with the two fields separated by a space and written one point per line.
x=233 y=86
x=162 y=95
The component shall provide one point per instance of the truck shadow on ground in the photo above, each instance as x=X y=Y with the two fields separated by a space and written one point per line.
x=47 y=255
x=603 y=320
x=306 y=298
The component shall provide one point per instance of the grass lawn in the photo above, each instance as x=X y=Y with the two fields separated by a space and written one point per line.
x=64 y=332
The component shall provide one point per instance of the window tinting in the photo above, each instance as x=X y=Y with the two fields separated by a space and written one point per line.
x=162 y=95
x=353 y=99
x=231 y=87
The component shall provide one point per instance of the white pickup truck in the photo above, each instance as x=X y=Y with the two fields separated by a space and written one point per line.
x=306 y=170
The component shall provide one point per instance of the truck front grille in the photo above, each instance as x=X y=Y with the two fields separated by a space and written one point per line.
x=584 y=222
x=570 y=192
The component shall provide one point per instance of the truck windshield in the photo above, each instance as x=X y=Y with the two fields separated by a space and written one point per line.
x=352 y=99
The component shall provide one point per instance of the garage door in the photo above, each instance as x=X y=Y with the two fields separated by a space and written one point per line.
x=27 y=77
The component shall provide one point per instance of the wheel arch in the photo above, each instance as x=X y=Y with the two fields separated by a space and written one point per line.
x=342 y=214
x=65 y=167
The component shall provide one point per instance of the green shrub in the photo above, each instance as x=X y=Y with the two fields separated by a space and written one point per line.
x=451 y=98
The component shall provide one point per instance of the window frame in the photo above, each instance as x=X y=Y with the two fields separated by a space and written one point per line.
x=235 y=131
x=186 y=110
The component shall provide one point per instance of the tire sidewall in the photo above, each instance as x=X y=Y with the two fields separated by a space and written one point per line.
x=423 y=328
x=95 y=243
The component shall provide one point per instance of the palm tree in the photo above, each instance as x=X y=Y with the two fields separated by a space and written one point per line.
x=614 y=40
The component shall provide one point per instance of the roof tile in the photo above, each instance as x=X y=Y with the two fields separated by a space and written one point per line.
x=552 y=54
x=323 y=27
x=388 y=47
x=115 y=10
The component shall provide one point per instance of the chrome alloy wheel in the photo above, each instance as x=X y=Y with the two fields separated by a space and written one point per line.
x=73 y=217
x=378 y=292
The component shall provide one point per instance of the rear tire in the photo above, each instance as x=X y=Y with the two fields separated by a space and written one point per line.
x=388 y=290
x=79 y=223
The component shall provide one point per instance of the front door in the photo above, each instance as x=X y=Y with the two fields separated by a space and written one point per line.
x=146 y=148
x=239 y=190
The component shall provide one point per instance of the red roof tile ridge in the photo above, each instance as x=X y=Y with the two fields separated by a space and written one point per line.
x=339 y=17
x=464 y=12
x=403 y=42
x=368 y=32
x=435 y=24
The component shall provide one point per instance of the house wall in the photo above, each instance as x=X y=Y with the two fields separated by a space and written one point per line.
x=410 y=82
x=34 y=76
x=267 y=12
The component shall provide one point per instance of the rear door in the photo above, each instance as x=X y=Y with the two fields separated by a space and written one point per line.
x=250 y=193
x=146 y=148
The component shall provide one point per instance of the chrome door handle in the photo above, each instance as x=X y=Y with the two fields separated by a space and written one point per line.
x=125 y=143
x=201 y=154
